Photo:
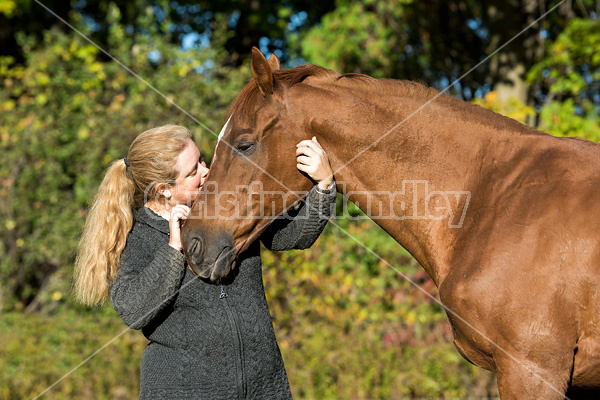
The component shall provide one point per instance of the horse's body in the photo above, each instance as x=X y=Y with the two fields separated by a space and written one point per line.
x=516 y=261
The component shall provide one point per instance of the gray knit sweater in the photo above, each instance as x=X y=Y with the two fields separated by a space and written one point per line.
x=207 y=341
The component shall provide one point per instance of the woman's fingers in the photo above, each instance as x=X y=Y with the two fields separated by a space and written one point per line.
x=306 y=151
x=303 y=143
x=179 y=213
x=312 y=160
x=309 y=169
x=181 y=208
x=311 y=144
x=303 y=160
x=315 y=145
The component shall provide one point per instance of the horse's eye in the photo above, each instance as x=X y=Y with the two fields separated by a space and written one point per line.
x=245 y=147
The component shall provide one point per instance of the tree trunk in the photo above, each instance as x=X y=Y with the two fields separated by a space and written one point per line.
x=506 y=19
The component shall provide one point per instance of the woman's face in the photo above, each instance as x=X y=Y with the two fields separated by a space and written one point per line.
x=192 y=173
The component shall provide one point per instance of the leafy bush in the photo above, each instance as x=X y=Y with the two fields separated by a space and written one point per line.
x=349 y=326
x=38 y=350
x=67 y=115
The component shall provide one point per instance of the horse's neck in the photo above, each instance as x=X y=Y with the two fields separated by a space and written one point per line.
x=429 y=166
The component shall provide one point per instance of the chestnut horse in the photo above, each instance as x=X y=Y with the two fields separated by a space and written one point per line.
x=517 y=262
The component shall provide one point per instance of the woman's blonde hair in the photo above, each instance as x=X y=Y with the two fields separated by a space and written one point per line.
x=152 y=157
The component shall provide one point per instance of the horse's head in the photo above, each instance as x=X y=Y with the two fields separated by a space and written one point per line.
x=253 y=175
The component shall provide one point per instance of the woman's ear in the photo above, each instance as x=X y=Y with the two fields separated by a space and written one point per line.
x=163 y=189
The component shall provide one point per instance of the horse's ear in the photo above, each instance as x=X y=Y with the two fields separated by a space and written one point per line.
x=261 y=71
x=274 y=62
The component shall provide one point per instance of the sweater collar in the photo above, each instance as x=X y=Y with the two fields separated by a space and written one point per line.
x=152 y=219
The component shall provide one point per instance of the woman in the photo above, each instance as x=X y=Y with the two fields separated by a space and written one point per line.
x=207 y=340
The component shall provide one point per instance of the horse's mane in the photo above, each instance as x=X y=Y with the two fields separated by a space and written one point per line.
x=246 y=101
x=388 y=86
x=250 y=95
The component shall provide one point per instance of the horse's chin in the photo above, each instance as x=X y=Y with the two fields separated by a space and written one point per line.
x=223 y=266
x=217 y=269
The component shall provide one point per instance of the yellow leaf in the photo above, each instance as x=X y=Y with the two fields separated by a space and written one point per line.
x=83 y=133
x=96 y=67
x=8 y=105
x=114 y=106
x=7 y=7
x=491 y=97
x=5 y=136
x=42 y=79
x=41 y=99
x=23 y=123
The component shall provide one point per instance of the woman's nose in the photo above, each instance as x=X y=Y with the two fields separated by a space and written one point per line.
x=203 y=173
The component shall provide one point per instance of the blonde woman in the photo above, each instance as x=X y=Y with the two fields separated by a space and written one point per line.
x=207 y=341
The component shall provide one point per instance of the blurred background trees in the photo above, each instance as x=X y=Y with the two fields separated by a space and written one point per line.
x=349 y=327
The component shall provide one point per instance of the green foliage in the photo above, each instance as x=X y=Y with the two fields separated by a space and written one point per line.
x=358 y=37
x=38 y=350
x=437 y=41
x=512 y=108
x=564 y=119
x=67 y=114
x=353 y=36
x=572 y=63
x=8 y=7
x=349 y=326
x=570 y=75
x=248 y=23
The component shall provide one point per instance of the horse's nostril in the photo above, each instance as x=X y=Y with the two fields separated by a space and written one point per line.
x=196 y=246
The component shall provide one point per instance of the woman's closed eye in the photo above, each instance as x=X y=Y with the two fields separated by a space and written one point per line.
x=194 y=171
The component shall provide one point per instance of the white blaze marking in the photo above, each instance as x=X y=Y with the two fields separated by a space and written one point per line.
x=223 y=130
x=219 y=140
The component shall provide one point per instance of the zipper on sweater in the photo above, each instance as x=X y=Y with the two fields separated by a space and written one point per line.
x=237 y=337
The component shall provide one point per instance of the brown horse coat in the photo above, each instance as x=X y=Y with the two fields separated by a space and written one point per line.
x=501 y=216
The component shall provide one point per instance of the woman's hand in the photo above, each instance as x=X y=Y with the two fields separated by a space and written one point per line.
x=312 y=160
x=178 y=214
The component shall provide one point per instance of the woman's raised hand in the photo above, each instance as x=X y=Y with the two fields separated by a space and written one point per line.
x=312 y=159
x=178 y=214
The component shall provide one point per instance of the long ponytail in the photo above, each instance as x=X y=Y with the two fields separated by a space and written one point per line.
x=109 y=221
x=151 y=158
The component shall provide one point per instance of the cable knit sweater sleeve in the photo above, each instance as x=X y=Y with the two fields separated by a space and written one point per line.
x=300 y=228
x=148 y=280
